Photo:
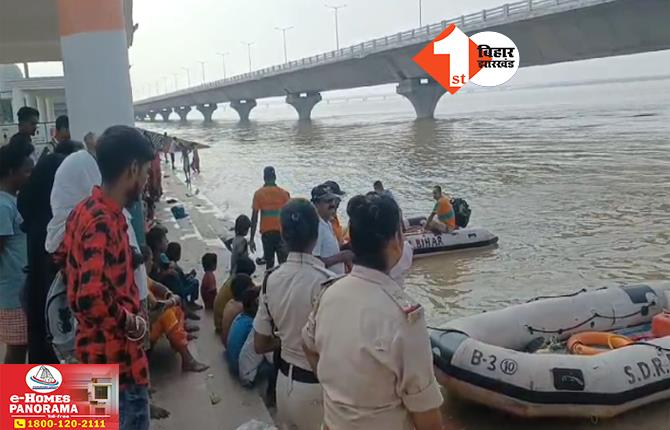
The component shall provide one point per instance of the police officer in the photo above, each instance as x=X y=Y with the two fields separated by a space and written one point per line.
x=288 y=296
x=367 y=340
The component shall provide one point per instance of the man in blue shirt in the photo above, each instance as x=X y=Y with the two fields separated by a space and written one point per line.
x=239 y=331
x=16 y=165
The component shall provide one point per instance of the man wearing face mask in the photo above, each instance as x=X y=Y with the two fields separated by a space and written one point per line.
x=366 y=339
x=97 y=263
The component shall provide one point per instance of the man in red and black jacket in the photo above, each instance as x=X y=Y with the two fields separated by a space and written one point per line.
x=98 y=264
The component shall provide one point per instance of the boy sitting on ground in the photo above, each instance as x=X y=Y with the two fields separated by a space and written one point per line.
x=163 y=272
x=208 y=284
x=166 y=318
x=225 y=293
x=243 y=361
x=189 y=281
x=234 y=307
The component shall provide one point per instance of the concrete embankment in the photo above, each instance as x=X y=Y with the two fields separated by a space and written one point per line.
x=212 y=399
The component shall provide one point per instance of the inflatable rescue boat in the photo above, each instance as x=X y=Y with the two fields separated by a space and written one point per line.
x=427 y=243
x=590 y=354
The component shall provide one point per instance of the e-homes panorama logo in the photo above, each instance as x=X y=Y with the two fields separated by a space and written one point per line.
x=453 y=59
x=44 y=379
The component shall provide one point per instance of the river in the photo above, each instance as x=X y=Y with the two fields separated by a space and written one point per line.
x=575 y=181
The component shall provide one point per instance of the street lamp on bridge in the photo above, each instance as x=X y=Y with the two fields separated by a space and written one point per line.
x=337 y=29
x=223 y=61
x=176 y=81
x=420 y=13
x=188 y=75
x=283 y=31
x=249 y=52
x=202 y=65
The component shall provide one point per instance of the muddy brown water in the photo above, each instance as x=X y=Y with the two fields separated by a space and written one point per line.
x=575 y=181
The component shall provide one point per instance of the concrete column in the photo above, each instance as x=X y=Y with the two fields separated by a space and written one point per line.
x=50 y=114
x=18 y=101
x=423 y=96
x=41 y=108
x=95 y=64
x=243 y=107
x=152 y=116
x=206 y=110
x=303 y=103
x=165 y=114
x=31 y=100
x=182 y=111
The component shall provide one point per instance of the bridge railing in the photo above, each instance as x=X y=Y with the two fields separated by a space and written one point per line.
x=498 y=15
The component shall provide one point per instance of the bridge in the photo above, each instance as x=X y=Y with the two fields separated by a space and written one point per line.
x=545 y=32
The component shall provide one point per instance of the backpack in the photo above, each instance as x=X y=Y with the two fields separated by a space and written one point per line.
x=61 y=325
x=462 y=212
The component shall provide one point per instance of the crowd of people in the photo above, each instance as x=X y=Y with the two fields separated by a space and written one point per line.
x=330 y=329
x=75 y=210
x=190 y=157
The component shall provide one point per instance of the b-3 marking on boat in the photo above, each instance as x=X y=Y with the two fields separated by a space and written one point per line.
x=492 y=363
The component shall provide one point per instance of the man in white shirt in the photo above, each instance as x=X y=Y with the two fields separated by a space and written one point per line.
x=73 y=182
x=327 y=249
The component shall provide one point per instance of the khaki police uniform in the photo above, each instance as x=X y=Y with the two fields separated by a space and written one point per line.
x=290 y=295
x=375 y=363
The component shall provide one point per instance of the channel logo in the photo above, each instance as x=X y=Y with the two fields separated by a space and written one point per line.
x=453 y=59
x=44 y=379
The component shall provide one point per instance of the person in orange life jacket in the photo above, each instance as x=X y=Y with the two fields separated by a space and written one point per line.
x=334 y=188
x=446 y=217
x=268 y=201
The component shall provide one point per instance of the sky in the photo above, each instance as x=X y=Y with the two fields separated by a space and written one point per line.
x=178 y=34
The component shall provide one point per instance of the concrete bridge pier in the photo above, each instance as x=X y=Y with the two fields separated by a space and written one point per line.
x=206 y=110
x=152 y=116
x=423 y=94
x=243 y=107
x=303 y=103
x=140 y=116
x=165 y=114
x=182 y=111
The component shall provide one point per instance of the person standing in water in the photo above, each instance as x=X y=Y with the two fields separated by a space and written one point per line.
x=186 y=164
x=172 y=148
x=195 y=164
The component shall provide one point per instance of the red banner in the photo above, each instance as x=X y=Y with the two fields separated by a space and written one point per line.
x=69 y=396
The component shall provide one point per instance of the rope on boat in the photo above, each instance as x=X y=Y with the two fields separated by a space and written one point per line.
x=644 y=310
x=658 y=347
x=535 y=299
